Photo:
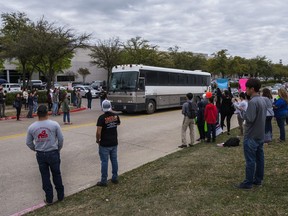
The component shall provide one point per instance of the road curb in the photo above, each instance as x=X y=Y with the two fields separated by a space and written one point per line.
x=49 y=113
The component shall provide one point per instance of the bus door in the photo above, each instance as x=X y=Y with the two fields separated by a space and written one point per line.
x=140 y=93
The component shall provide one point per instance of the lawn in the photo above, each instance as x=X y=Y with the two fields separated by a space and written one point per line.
x=194 y=181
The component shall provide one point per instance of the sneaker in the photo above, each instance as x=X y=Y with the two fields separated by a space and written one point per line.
x=243 y=186
x=182 y=146
x=258 y=184
x=48 y=203
x=115 y=181
x=101 y=184
x=191 y=145
x=280 y=141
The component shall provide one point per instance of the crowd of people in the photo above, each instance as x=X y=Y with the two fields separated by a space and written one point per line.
x=57 y=100
x=254 y=110
x=207 y=118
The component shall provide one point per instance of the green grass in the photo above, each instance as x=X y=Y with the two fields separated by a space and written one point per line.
x=194 y=181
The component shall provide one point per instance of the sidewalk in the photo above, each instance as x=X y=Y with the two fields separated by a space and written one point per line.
x=10 y=112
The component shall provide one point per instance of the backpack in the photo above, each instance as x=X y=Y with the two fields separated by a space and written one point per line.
x=231 y=142
x=192 y=110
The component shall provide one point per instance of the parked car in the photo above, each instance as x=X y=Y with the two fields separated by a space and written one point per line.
x=84 y=89
x=80 y=84
x=36 y=84
x=3 y=81
x=33 y=84
x=11 y=87
x=57 y=85
x=96 y=84
x=275 y=88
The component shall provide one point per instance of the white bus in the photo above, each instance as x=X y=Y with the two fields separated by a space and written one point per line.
x=134 y=88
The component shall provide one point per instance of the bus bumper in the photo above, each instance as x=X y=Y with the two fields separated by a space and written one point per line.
x=128 y=107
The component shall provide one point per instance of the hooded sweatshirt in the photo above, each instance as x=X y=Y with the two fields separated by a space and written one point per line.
x=210 y=113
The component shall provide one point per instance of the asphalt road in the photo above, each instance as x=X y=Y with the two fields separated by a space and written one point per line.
x=142 y=138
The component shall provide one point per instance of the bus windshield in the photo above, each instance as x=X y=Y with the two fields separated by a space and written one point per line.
x=124 y=81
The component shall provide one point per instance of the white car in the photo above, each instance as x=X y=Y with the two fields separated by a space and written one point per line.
x=275 y=88
x=57 y=85
x=84 y=89
x=11 y=87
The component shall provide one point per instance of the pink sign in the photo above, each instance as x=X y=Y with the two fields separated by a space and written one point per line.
x=242 y=85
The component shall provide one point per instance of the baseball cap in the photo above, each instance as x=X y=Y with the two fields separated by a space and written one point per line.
x=208 y=94
x=106 y=106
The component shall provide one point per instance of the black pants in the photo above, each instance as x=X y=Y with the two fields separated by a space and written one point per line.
x=18 y=111
x=211 y=129
x=201 y=130
x=228 y=120
x=50 y=106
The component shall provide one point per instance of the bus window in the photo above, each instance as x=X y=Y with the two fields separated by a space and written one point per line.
x=163 y=79
x=173 y=79
x=151 y=77
x=141 y=84
x=183 y=79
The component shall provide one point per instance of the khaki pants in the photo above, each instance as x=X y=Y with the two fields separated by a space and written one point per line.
x=187 y=123
x=240 y=122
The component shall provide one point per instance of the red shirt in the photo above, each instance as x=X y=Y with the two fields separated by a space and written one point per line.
x=210 y=113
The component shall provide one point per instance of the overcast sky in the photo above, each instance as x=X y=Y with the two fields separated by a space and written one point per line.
x=245 y=28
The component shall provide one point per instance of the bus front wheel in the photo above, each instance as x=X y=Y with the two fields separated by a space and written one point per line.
x=151 y=107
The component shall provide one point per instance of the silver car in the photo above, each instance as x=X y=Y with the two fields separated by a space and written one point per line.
x=84 y=89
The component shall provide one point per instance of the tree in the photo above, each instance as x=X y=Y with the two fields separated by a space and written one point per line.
x=279 y=71
x=139 y=51
x=55 y=47
x=187 y=60
x=219 y=63
x=238 y=66
x=15 y=39
x=1 y=64
x=84 y=72
x=106 y=54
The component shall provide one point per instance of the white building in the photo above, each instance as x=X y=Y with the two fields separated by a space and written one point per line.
x=81 y=59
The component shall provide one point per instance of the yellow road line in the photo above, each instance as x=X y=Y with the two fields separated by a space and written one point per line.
x=68 y=127
x=12 y=136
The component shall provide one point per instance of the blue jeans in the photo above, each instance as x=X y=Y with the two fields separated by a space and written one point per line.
x=30 y=112
x=66 y=114
x=55 y=108
x=35 y=106
x=281 y=125
x=104 y=153
x=254 y=157
x=50 y=161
